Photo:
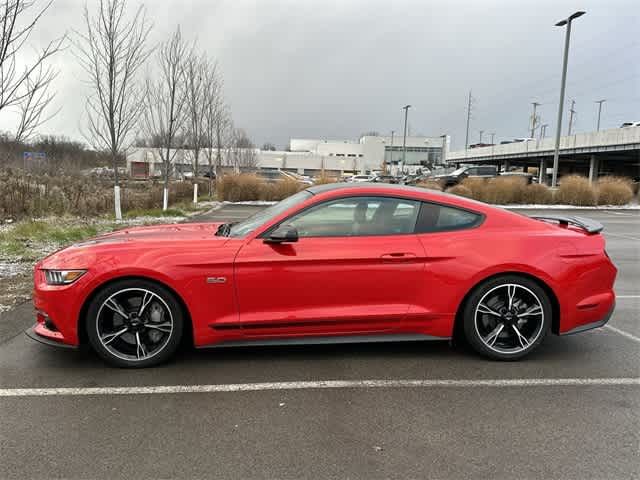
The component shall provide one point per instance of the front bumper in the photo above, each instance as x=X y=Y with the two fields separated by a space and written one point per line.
x=42 y=334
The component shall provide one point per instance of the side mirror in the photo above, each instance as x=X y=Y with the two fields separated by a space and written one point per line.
x=282 y=234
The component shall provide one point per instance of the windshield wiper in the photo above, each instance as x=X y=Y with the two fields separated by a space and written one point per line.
x=224 y=230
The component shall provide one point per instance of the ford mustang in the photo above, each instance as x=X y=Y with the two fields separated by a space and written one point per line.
x=332 y=263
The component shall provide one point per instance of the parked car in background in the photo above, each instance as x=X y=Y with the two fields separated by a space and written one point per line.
x=361 y=178
x=630 y=124
x=386 y=179
x=526 y=176
x=455 y=177
x=272 y=176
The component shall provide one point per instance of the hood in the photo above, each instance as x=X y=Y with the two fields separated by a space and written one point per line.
x=86 y=252
x=154 y=233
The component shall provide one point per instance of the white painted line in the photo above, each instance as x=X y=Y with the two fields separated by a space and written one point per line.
x=627 y=296
x=623 y=333
x=315 y=385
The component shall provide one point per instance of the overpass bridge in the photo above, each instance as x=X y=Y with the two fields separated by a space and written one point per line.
x=615 y=151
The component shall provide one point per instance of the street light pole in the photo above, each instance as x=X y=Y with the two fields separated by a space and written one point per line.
x=391 y=152
x=563 y=84
x=599 y=102
x=404 y=138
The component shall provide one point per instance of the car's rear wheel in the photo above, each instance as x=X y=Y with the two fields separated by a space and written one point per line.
x=134 y=323
x=507 y=317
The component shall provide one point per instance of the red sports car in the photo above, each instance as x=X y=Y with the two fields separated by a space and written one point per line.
x=332 y=263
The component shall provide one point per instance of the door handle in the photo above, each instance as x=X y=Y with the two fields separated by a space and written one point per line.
x=398 y=257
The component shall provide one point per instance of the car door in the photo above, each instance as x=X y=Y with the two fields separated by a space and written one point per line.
x=355 y=268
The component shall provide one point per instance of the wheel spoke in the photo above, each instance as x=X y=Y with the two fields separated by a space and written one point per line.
x=493 y=336
x=523 y=341
x=115 y=306
x=163 y=327
x=110 y=337
x=533 y=310
x=511 y=293
x=482 y=308
x=140 y=349
x=146 y=300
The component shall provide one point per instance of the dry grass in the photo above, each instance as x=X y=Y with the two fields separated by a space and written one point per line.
x=247 y=187
x=576 y=190
x=431 y=184
x=324 y=179
x=461 y=190
x=25 y=195
x=503 y=190
x=614 y=190
x=477 y=186
x=537 y=194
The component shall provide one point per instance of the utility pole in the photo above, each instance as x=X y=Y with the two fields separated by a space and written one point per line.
x=481 y=132
x=534 y=119
x=466 y=140
x=493 y=135
x=571 y=114
x=563 y=84
x=543 y=130
x=599 y=102
x=404 y=138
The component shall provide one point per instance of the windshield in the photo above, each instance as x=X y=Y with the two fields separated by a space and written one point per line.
x=250 y=224
x=459 y=171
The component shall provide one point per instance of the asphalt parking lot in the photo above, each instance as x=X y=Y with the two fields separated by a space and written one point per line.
x=398 y=410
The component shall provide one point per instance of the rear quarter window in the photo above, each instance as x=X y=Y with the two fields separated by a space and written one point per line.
x=434 y=217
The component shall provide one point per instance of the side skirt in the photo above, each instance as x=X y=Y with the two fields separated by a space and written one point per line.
x=325 y=340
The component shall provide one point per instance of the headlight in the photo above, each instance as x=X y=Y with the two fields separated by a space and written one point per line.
x=62 y=277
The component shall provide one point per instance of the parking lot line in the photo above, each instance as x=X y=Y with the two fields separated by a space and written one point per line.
x=623 y=333
x=318 y=385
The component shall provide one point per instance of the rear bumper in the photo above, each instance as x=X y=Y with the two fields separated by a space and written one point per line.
x=591 y=325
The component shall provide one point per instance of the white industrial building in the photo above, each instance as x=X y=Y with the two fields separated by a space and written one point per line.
x=312 y=156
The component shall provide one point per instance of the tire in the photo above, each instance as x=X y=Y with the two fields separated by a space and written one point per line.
x=500 y=331
x=134 y=323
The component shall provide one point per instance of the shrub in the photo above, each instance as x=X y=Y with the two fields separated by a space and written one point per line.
x=614 y=190
x=324 y=179
x=247 y=187
x=537 y=194
x=238 y=188
x=461 y=190
x=576 y=190
x=431 y=184
x=477 y=186
x=503 y=190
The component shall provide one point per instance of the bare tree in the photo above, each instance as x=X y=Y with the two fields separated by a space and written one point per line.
x=215 y=116
x=164 y=109
x=243 y=154
x=111 y=51
x=32 y=107
x=197 y=71
x=26 y=88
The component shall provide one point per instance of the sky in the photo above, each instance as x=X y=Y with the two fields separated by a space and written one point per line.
x=336 y=69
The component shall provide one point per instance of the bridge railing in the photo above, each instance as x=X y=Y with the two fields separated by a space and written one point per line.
x=603 y=138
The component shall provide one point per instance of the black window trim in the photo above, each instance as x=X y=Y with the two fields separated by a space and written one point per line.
x=268 y=231
x=476 y=224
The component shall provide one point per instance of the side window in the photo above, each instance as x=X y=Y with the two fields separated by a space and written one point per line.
x=438 y=218
x=357 y=216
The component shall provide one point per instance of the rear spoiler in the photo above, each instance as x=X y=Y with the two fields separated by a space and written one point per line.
x=588 y=225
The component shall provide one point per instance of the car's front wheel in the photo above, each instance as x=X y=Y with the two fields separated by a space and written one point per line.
x=507 y=317
x=134 y=323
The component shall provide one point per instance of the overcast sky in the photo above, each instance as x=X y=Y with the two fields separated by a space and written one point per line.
x=335 y=69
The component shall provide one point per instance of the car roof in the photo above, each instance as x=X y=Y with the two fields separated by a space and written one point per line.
x=404 y=190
